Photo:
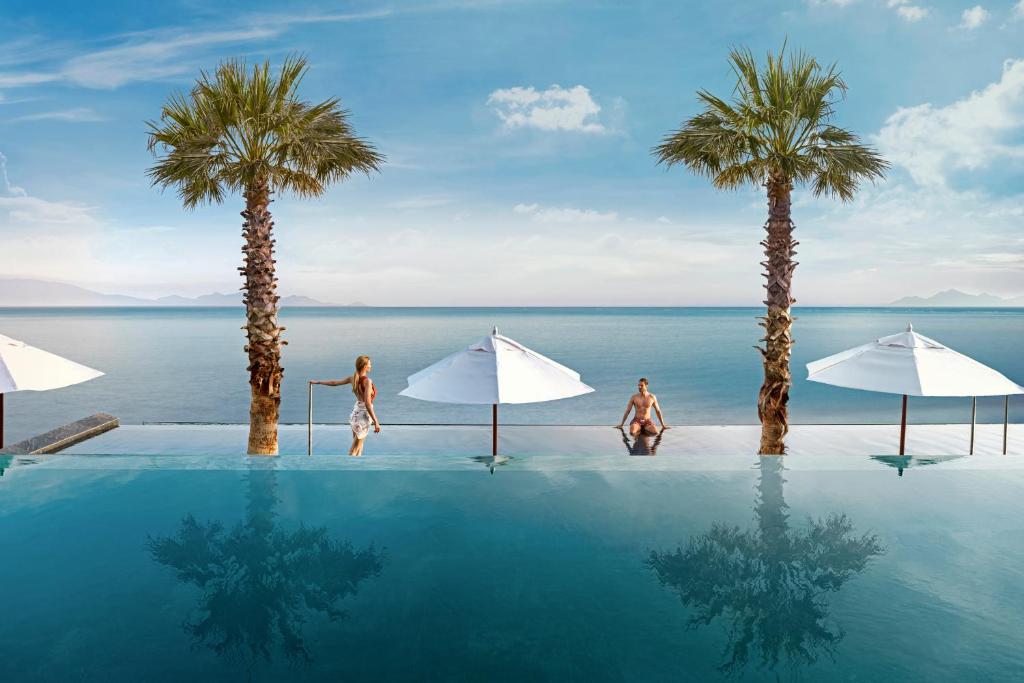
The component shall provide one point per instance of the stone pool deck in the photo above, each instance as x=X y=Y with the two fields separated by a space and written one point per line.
x=216 y=439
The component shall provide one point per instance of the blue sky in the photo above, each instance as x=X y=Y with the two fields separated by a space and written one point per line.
x=518 y=136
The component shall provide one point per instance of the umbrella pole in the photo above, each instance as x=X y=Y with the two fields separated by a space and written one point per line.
x=903 y=426
x=494 y=429
x=1006 y=418
x=2 y=423
x=974 y=420
x=309 y=422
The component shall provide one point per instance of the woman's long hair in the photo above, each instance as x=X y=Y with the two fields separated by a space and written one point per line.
x=361 y=364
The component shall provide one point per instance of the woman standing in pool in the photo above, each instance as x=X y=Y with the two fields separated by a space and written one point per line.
x=362 y=412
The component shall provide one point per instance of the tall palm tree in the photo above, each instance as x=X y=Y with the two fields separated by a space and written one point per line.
x=245 y=130
x=775 y=132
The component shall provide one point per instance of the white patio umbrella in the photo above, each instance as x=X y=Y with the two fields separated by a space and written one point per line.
x=913 y=365
x=26 y=368
x=493 y=371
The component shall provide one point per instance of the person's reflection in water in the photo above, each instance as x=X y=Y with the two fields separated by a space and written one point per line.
x=492 y=461
x=642 y=444
x=770 y=582
x=260 y=582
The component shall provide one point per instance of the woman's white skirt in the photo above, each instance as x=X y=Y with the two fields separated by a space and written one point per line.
x=360 y=420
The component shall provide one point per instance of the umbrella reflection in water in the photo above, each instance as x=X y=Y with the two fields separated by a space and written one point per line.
x=902 y=462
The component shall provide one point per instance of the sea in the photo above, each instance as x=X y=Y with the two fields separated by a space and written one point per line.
x=188 y=365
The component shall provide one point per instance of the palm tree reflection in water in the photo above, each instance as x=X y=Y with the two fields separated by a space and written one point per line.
x=771 y=582
x=259 y=582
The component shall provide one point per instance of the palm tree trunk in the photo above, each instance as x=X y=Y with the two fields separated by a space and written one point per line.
x=262 y=331
x=778 y=343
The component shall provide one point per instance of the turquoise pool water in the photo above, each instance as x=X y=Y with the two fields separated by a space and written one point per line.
x=191 y=567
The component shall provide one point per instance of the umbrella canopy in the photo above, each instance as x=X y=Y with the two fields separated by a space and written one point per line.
x=24 y=367
x=495 y=370
x=911 y=364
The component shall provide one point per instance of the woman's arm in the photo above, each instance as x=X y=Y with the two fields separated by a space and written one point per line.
x=368 y=402
x=332 y=382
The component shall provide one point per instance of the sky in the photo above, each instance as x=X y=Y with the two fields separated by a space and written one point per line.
x=518 y=136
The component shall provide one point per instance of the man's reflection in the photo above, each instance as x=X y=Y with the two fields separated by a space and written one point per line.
x=259 y=582
x=770 y=582
x=642 y=443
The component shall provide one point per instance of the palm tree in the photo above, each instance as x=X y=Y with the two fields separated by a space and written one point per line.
x=243 y=130
x=775 y=132
x=770 y=583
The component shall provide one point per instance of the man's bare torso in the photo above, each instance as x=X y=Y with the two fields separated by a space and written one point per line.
x=642 y=404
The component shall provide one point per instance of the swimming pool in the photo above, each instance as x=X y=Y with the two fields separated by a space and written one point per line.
x=171 y=567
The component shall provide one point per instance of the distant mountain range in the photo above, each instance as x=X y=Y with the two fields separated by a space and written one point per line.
x=22 y=292
x=956 y=299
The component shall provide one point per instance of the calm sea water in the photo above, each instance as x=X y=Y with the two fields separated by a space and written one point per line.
x=188 y=364
x=622 y=569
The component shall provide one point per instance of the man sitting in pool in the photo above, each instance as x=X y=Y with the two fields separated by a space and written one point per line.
x=641 y=404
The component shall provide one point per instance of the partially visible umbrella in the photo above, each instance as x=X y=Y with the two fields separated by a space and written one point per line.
x=26 y=368
x=495 y=370
x=902 y=462
x=912 y=365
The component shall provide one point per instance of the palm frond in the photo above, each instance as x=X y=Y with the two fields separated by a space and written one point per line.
x=243 y=125
x=777 y=123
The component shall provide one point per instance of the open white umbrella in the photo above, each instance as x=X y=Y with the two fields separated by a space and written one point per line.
x=913 y=365
x=495 y=370
x=24 y=367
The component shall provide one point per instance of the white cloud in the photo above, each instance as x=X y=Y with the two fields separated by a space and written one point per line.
x=973 y=17
x=421 y=202
x=1018 y=11
x=6 y=189
x=76 y=115
x=16 y=80
x=554 y=109
x=912 y=13
x=564 y=215
x=969 y=134
x=907 y=11
x=836 y=3
x=151 y=55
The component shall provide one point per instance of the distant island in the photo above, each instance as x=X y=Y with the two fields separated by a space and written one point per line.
x=954 y=298
x=20 y=292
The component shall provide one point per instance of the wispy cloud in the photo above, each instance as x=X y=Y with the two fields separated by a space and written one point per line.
x=154 y=54
x=150 y=56
x=551 y=214
x=76 y=115
x=17 y=80
x=19 y=210
x=554 y=109
x=6 y=189
x=421 y=202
